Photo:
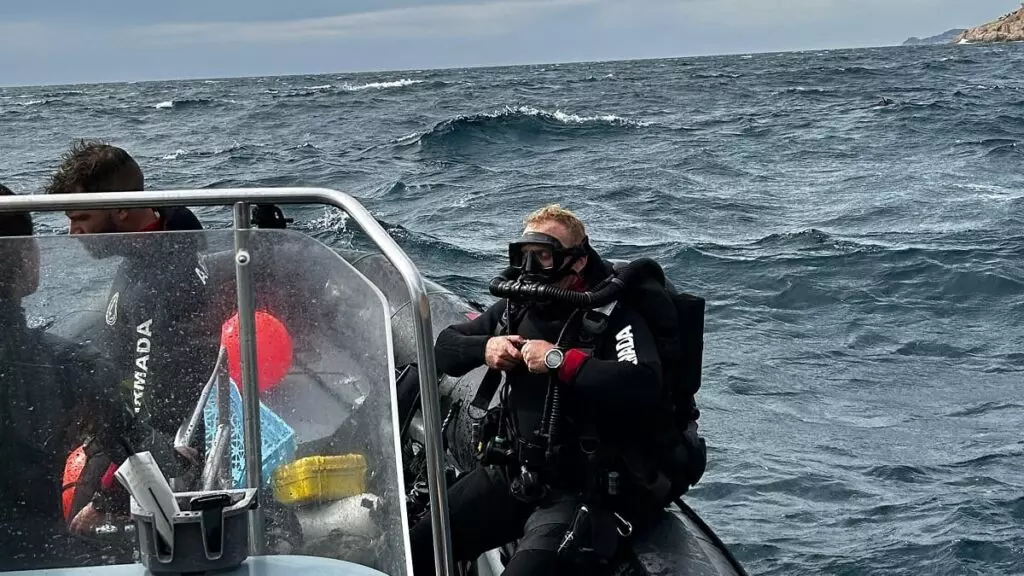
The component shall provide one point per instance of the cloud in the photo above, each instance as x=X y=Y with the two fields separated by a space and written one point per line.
x=439 y=20
x=733 y=14
x=112 y=40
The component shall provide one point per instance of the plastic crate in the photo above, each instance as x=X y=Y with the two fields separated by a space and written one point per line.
x=278 y=438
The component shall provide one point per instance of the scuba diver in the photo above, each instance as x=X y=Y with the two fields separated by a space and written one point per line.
x=156 y=330
x=53 y=394
x=595 y=430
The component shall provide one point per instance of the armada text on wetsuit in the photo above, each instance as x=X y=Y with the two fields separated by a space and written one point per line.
x=157 y=328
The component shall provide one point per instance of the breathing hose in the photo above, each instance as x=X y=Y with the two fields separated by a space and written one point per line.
x=509 y=285
x=552 y=419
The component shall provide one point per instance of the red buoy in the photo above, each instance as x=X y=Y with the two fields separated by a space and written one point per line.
x=273 y=350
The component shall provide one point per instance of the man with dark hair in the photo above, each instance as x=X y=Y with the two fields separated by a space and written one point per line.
x=157 y=329
x=163 y=318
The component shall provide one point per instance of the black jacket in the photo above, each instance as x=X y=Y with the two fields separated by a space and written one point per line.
x=157 y=330
x=52 y=393
x=617 y=385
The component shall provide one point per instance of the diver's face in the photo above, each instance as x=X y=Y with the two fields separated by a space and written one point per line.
x=92 y=221
x=91 y=225
x=543 y=253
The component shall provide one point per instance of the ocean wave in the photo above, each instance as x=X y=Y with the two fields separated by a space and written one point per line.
x=381 y=85
x=812 y=238
x=901 y=473
x=60 y=93
x=591 y=78
x=187 y=103
x=984 y=408
x=714 y=75
x=806 y=91
x=321 y=89
x=234 y=148
x=933 y=349
x=524 y=119
x=41 y=101
x=1009 y=148
x=179 y=153
x=419 y=243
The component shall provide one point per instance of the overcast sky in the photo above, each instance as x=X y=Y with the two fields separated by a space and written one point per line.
x=68 y=41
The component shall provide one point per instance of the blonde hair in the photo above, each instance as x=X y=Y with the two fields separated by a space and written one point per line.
x=555 y=213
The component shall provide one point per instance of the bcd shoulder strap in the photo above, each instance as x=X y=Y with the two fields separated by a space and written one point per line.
x=595 y=322
x=492 y=379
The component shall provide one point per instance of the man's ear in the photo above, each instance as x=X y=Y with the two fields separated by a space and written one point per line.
x=121 y=214
x=580 y=265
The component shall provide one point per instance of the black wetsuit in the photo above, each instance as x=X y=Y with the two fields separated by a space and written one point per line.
x=612 y=389
x=51 y=393
x=158 y=330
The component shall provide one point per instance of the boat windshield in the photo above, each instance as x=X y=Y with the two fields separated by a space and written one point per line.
x=138 y=325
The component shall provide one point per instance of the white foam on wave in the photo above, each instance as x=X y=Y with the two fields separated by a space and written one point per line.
x=381 y=85
x=169 y=104
x=410 y=138
x=179 y=153
x=567 y=118
x=331 y=221
x=988 y=192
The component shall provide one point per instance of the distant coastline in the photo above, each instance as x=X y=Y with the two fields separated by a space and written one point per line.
x=944 y=38
x=1008 y=28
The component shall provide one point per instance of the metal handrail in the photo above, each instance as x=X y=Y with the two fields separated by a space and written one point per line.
x=297 y=195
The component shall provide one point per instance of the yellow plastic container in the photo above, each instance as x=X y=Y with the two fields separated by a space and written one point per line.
x=320 y=479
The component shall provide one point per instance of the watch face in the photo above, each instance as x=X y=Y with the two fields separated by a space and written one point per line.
x=553 y=359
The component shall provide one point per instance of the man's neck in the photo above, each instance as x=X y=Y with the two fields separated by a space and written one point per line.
x=149 y=221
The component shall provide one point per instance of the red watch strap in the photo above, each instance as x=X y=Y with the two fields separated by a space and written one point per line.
x=571 y=364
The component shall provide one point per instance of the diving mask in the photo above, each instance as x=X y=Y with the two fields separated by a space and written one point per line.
x=542 y=258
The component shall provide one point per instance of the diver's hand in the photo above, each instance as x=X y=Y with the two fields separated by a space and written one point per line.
x=502 y=352
x=188 y=453
x=534 y=352
x=86 y=520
